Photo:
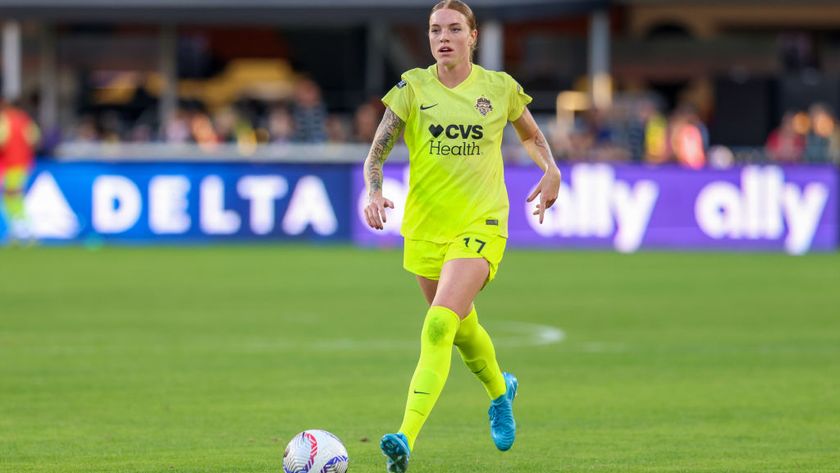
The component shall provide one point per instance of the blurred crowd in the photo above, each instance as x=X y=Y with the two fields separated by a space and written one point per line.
x=632 y=129
x=635 y=128
x=810 y=136
x=638 y=130
x=247 y=123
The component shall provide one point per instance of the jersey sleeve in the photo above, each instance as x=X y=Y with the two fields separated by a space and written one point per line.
x=400 y=99
x=517 y=97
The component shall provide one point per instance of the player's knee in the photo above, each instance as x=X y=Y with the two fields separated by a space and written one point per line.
x=440 y=327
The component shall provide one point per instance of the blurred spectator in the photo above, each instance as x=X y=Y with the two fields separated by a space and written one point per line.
x=281 y=125
x=656 y=146
x=688 y=138
x=86 y=131
x=225 y=121
x=336 y=130
x=604 y=128
x=202 y=130
x=786 y=144
x=142 y=133
x=581 y=141
x=18 y=137
x=822 y=144
x=366 y=121
x=232 y=127
x=177 y=128
x=310 y=113
x=620 y=119
x=637 y=118
x=112 y=128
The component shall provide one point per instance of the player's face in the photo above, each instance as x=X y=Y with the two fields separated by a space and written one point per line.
x=450 y=37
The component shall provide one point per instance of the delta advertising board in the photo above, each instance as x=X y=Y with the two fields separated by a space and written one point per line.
x=171 y=203
x=628 y=208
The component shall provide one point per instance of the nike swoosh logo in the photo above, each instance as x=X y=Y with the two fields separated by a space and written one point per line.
x=423 y=107
x=420 y=392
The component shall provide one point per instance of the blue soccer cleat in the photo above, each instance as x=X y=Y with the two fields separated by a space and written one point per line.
x=395 y=447
x=502 y=425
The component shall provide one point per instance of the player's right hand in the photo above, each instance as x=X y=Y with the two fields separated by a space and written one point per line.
x=375 y=211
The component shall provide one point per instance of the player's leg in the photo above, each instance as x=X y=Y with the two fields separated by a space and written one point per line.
x=474 y=344
x=472 y=339
x=428 y=287
x=460 y=280
x=425 y=260
x=476 y=347
x=13 y=201
x=479 y=354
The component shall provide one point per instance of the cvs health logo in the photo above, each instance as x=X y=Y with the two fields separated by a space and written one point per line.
x=465 y=133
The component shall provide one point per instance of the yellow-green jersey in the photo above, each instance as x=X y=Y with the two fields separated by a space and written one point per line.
x=454 y=139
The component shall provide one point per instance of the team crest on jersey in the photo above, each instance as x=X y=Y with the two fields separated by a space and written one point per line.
x=483 y=105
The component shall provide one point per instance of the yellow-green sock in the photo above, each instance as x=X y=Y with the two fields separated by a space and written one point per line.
x=13 y=201
x=479 y=355
x=13 y=185
x=439 y=330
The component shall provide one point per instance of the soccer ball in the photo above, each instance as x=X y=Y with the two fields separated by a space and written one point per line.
x=315 y=451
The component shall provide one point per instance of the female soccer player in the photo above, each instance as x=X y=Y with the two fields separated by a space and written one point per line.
x=453 y=114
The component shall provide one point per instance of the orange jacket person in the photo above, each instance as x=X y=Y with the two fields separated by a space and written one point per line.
x=18 y=137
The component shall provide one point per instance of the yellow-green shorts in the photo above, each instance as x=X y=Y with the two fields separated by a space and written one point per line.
x=426 y=258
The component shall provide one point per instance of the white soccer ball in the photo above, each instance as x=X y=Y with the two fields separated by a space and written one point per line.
x=315 y=451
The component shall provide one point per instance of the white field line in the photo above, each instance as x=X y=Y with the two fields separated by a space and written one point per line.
x=503 y=333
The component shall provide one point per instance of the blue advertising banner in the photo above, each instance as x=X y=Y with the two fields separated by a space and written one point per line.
x=140 y=202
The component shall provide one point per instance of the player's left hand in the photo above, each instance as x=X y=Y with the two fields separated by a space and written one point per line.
x=547 y=189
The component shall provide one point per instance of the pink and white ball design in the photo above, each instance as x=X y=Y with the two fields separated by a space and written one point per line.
x=315 y=451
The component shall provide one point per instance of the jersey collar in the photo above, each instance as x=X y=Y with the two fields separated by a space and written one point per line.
x=464 y=83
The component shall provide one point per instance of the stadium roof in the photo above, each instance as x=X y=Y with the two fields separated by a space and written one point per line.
x=328 y=12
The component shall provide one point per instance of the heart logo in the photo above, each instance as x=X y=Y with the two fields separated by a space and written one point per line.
x=436 y=130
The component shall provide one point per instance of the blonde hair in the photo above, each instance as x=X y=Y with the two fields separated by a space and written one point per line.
x=458 y=6
x=461 y=8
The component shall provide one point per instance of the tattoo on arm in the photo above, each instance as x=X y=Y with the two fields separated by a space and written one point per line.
x=539 y=151
x=387 y=133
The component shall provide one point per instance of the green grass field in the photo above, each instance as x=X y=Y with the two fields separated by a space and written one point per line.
x=210 y=359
